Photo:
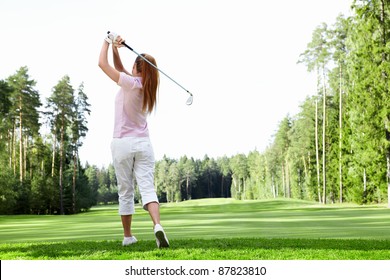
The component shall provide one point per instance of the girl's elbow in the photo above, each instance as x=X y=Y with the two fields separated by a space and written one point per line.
x=100 y=64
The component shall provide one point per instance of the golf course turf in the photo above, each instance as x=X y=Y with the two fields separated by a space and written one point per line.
x=207 y=229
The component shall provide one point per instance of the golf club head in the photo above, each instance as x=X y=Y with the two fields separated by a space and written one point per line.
x=189 y=100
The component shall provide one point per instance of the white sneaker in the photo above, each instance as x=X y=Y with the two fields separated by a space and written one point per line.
x=129 y=240
x=161 y=238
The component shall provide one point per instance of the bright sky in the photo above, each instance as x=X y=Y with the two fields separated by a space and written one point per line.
x=238 y=58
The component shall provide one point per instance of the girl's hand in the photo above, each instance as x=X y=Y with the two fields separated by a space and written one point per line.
x=118 y=41
x=110 y=37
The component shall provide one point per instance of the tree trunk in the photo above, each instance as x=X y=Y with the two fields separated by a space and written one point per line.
x=288 y=180
x=75 y=160
x=188 y=187
x=61 y=167
x=304 y=167
x=209 y=184
x=388 y=179
x=25 y=158
x=234 y=185
x=273 y=186
x=340 y=137
x=385 y=75
x=14 y=149
x=364 y=185
x=317 y=155
x=10 y=145
x=244 y=189
x=54 y=154
x=323 y=140
x=283 y=181
x=31 y=163
x=305 y=175
x=223 y=177
x=20 y=141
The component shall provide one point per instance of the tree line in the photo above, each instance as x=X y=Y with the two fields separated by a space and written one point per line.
x=175 y=180
x=349 y=159
x=40 y=171
x=335 y=149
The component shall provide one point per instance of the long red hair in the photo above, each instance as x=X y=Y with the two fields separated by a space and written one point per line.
x=150 y=81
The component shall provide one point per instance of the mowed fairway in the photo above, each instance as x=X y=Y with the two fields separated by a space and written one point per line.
x=207 y=229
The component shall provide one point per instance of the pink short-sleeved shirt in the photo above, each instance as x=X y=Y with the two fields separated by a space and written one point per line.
x=129 y=118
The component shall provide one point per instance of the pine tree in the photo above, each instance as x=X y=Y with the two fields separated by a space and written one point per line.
x=79 y=130
x=24 y=113
x=61 y=104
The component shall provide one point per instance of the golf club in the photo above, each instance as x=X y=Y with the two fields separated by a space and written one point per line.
x=190 y=98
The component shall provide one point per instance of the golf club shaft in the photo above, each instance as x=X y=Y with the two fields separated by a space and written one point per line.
x=130 y=48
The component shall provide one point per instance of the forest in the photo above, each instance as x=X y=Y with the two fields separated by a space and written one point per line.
x=336 y=149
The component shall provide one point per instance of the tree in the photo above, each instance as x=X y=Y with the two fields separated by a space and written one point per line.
x=61 y=104
x=280 y=147
x=25 y=163
x=24 y=113
x=239 y=168
x=256 y=170
x=161 y=178
x=5 y=123
x=224 y=167
x=368 y=99
x=338 y=42
x=188 y=167
x=79 y=130
x=91 y=173
x=8 y=192
x=175 y=179
x=316 y=57
x=5 y=105
x=301 y=147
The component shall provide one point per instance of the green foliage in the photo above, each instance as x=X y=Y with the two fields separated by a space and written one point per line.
x=31 y=169
x=25 y=102
x=43 y=195
x=5 y=103
x=186 y=178
x=8 y=191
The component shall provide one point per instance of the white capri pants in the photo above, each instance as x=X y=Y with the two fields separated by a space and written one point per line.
x=133 y=157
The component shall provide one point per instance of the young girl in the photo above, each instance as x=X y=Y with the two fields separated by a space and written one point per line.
x=131 y=149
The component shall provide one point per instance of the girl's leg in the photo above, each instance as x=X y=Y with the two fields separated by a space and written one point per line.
x=123 y=161
x=128 y=238
x=154 y=212
x=144 y=173
x=126 y=223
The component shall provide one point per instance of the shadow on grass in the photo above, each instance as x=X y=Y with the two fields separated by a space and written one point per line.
x=199 y=249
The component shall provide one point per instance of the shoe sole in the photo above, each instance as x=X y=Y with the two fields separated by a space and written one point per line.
x=162 y=239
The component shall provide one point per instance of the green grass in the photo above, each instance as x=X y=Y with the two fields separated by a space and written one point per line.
x=207 y=229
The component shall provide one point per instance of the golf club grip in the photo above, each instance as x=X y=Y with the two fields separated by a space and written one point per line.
x=127 y=46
